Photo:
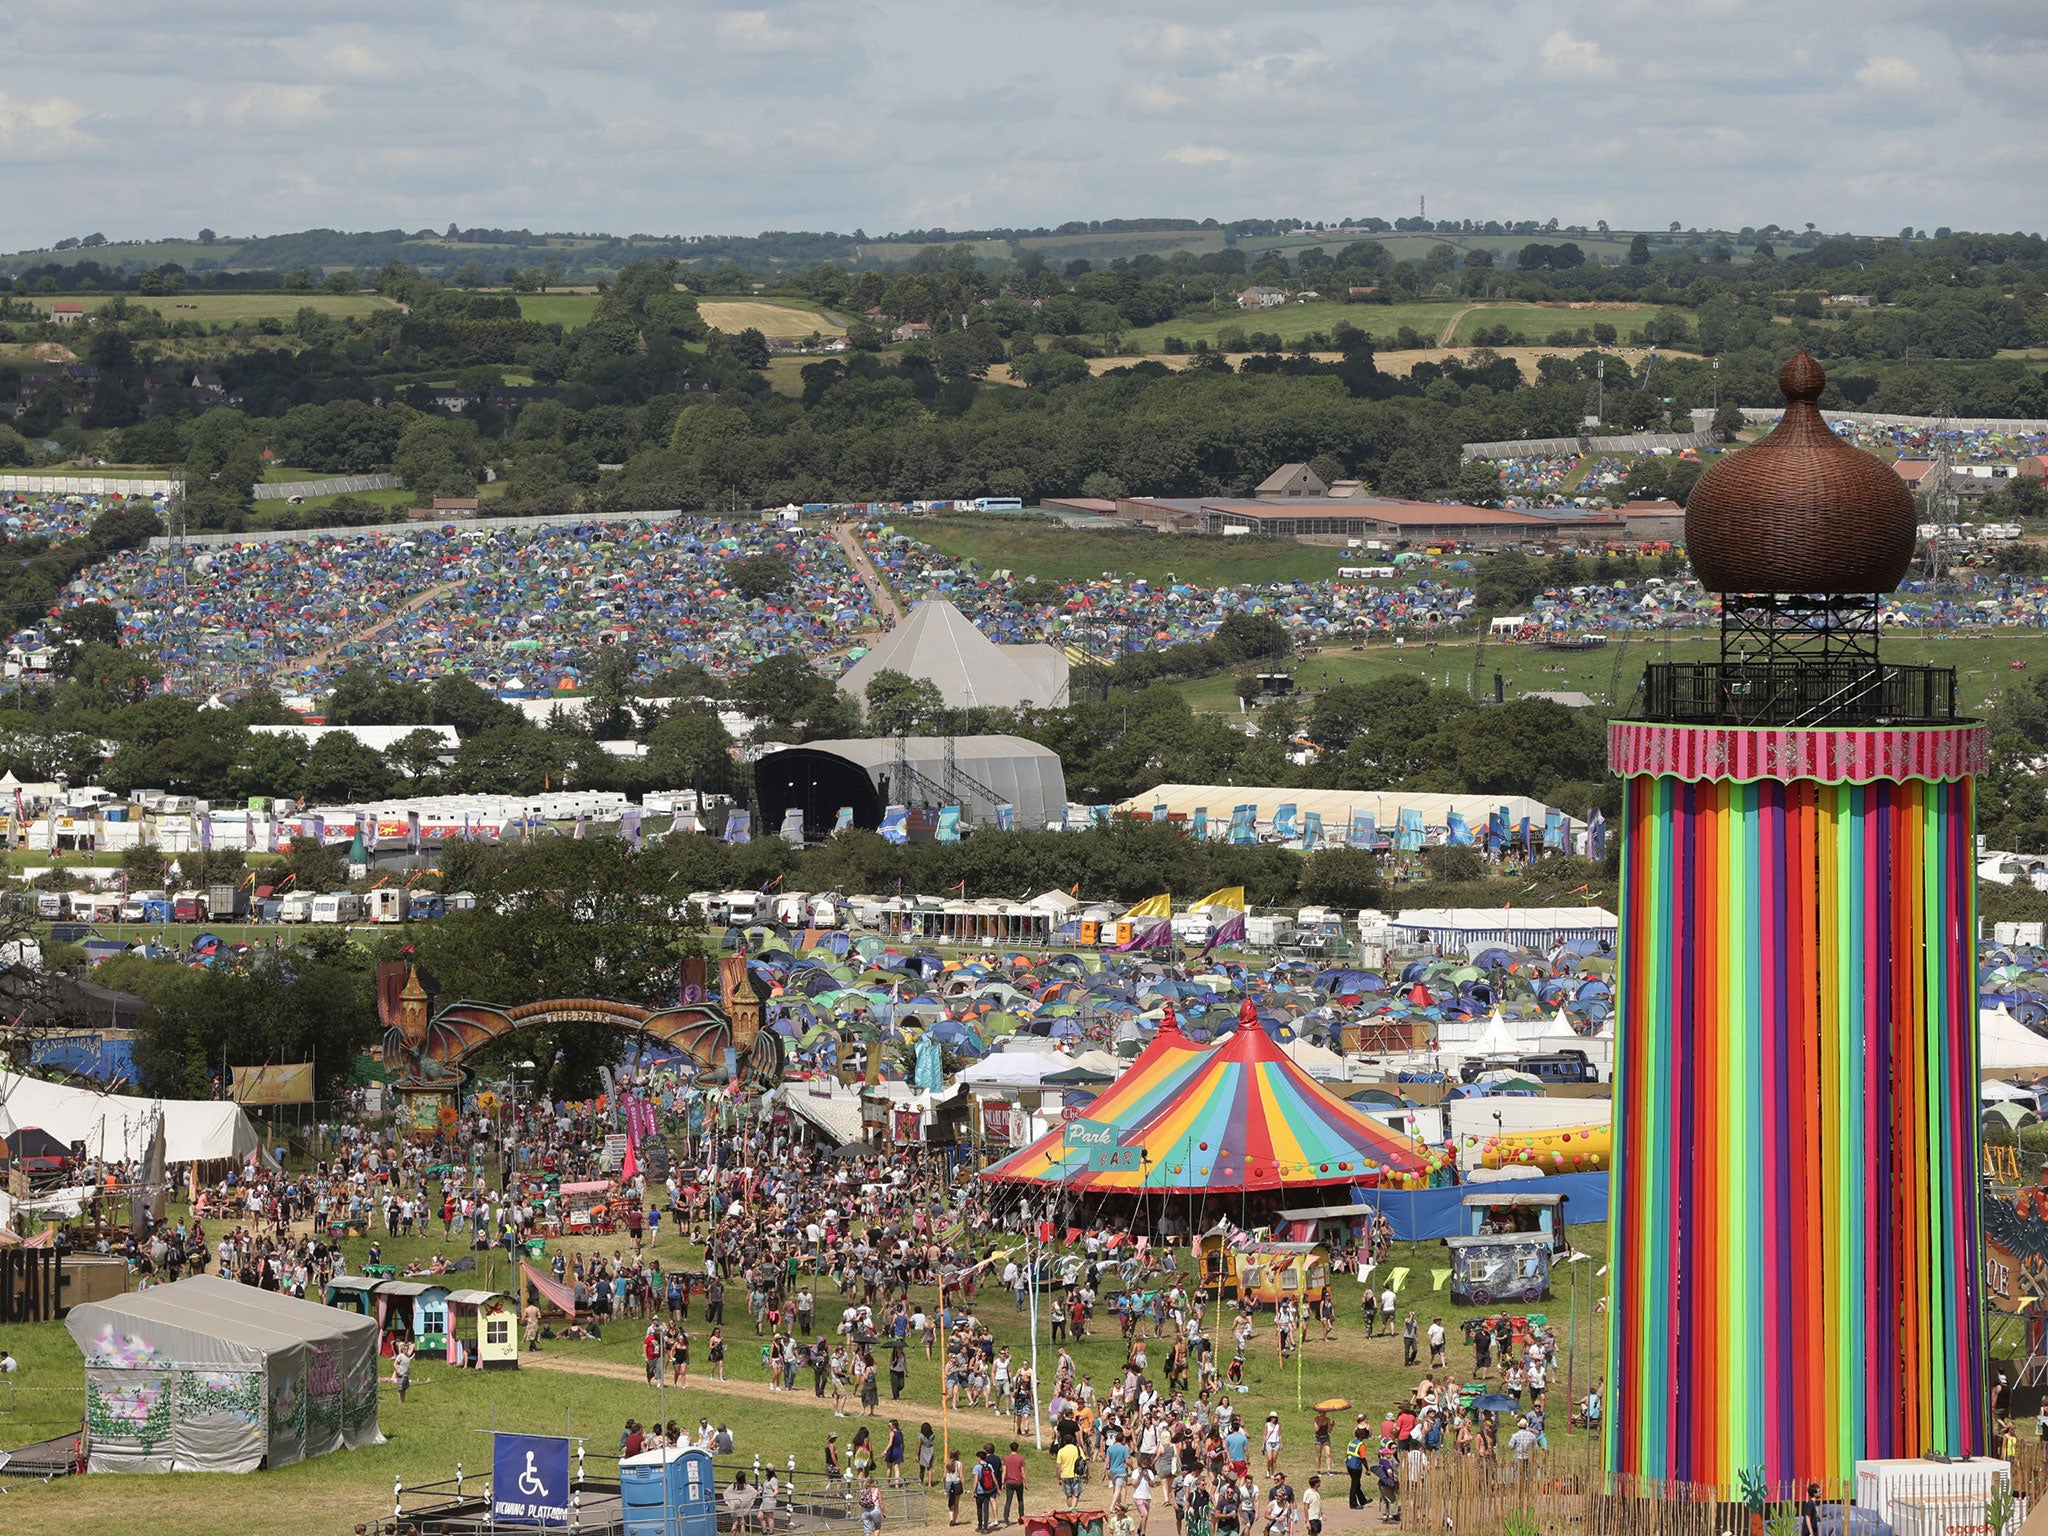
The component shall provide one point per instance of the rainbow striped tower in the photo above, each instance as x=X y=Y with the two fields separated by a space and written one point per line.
x=1794 y=1276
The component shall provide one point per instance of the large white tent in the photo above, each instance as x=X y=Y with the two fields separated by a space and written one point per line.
x=2004 y=1044
x=116 y=1127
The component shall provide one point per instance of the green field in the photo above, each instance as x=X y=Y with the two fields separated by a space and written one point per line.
x=1537 y=321
x=1982 y=663
x=1053 y=552
x=1293 y=321
x=589 y=1388
x=568 y=310
x=227 y=308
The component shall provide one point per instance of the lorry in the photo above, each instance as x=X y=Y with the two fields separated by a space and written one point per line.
x=227 y=903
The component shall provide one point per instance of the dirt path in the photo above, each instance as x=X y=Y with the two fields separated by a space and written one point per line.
x=975 y=1420
x=1450 y=335
x=405 y=609
x=878 y=590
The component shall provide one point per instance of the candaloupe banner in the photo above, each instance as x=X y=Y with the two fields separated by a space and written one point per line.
x=292 y=1084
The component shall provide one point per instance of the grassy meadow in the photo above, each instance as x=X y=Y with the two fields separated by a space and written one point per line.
x=1054 y=552
x=1983 y=664
x=232 y=308
x=590 y=1388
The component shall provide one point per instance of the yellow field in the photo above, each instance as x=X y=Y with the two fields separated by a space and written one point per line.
x=771 y=320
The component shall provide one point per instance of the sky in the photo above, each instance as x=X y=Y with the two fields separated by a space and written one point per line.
x=142 y=120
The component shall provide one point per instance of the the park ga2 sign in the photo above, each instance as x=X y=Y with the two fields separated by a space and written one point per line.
x=1091 y=1133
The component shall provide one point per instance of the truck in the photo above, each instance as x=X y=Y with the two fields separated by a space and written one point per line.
x=227 y=903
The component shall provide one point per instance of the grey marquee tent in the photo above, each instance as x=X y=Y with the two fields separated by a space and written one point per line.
x=207 y=1375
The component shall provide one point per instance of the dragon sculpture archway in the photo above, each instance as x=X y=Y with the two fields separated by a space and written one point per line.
x=425 y=1055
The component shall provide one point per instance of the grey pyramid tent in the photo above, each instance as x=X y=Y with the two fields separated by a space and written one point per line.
x=939 y=644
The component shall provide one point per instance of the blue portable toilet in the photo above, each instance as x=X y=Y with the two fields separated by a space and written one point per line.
x=669 y=1491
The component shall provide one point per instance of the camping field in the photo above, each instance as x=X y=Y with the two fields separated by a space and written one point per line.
x=590 y=1388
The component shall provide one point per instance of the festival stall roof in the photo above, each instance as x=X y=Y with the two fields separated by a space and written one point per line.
x=1015 y=1069
x=116 y=1127
x=835 y=1115
x=939 y=644
x=1239 y=1117
x=205 y=1375
x=1336 y=806
x=982 y=771
x=1537 y=928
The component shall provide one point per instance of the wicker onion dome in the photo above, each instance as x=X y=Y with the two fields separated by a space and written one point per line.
x=1801 y=511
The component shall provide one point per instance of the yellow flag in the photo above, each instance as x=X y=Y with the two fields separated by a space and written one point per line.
x=1158 y=906
x=1397 y=1279
x=1230 y=898
x=1439 y=1276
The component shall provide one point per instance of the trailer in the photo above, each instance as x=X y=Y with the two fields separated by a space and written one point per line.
x=227 y=903
x=386 y=904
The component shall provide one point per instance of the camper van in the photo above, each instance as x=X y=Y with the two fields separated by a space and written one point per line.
x=824 y=912
x=743 y=908
x=132 y=909
x=336 y=907
x=49 y=905
x=425 y=905
x=296 y=908
x=790 y=908
x=386 y=904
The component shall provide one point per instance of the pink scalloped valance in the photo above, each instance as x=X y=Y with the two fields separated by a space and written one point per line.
x=1935 y=753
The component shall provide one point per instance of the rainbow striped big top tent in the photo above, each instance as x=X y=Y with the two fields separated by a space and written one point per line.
x=1233 y=1118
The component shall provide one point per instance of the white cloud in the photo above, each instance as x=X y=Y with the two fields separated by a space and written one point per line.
x=758 y=32
x=1564 y=57
x=1200 y=154
x=1157 y=98
x=40 y=127
x=1890 y=74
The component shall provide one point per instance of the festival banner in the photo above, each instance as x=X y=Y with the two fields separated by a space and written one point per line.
x=290 y=1084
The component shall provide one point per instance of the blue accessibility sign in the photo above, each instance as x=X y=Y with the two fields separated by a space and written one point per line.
x=530 y=1480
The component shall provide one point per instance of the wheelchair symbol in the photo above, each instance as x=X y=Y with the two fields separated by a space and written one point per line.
x=529 y=1479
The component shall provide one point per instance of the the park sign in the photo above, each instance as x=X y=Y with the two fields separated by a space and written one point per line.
x=1092 y=1133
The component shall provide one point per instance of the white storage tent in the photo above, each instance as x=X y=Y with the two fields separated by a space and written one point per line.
x=116 y=1127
